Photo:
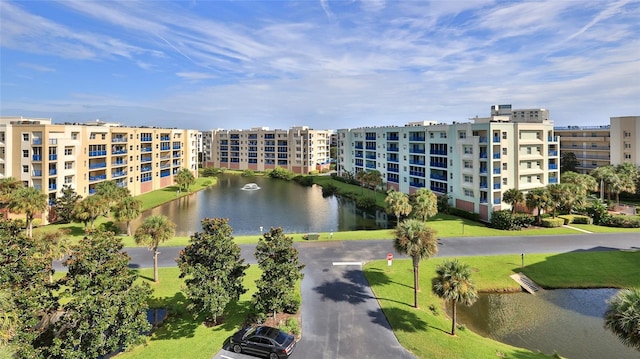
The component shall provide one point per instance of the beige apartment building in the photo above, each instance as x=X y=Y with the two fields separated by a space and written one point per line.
x=47 y=156
x=596 y=146
x=474 y=162
x=300 y=149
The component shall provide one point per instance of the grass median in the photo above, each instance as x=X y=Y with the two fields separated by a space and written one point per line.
x=426 y=334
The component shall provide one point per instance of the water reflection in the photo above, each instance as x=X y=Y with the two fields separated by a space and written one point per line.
x=568 y=321
x=277 y=203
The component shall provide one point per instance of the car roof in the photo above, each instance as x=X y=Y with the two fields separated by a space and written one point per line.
x=268 y=332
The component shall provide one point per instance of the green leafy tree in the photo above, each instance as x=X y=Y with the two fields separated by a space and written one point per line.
x=628 y=174
x=513 y=197
x=28 y=201
x=184 y=178
x=106 y=311
x=582 y=185
x=66 y=202
x=110 y=193
x=281 y=269
x=537 y=198
x=89 y=209
x=8 y=185
x=424 y=203
x=453 y=283
x=414 y=238
x=154 y=230
x=9 y=323
x=373 y=180
x=24 y=273
x=213 y=269
x=568 y=162
x=126 y=210
x=397 y=203
x=623 y=317
x=557 y=197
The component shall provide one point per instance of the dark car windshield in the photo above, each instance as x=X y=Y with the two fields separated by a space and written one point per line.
x=248 y=332
x=281 y=338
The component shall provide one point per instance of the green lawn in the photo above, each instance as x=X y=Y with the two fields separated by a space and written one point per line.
x=426 y=334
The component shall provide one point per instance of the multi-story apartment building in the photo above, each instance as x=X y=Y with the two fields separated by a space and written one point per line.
x=47 y=156
x=473 y=163
x=299 y=149
x=597 y=146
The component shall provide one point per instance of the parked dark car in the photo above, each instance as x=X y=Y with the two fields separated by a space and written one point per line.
x=263 y=341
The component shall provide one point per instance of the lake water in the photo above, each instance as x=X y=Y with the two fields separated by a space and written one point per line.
x=568 y=321
x=278 y=203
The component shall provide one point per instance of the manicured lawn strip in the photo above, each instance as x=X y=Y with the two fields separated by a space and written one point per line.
x=602 y=229
x=346 y=187
x=425 y=334
x=167 y=194
x=182 y=336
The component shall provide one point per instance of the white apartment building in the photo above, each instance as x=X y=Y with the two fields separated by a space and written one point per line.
x=47 y=156
x=597 y=146
x=299 y=149
x=473 y=162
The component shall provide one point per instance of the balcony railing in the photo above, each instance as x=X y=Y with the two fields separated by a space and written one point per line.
x=392 y=137
x=37 y=141
x=176 y=147
x=416 y=173
x=416 y=184
x=552 y=138
x=37 y=157
x=438 y=164
x=496 y=139
x=438 y=177
x=393 y=149
x=146 y=138
x=53 y=157
x=97 y=153
x=118 y=174
x=119 y=139
x=145 y=169
x=391 y=169
x=97 y=165
x=484 y=185
x=496 y=186
x=496 y=171
x=119 y=152
x=553 y=179
x=496 y=156
x=483 y=155
x=146 y=149
x=416 y=150
x=37 y=173
x=417 y=162
x=553 y=166
x=438 y=189
x=483 y=139
x=53 y=172
x=438 y=152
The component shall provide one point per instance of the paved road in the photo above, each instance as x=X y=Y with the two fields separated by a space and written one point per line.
x=341 y=317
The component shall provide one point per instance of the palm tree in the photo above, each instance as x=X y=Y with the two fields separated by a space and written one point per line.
x=513 y=197
x=628 y=174
x=415 y=239
x=425 y=204
x=537 y=198
x=604 y=176
x=453 y=283
x=110 y=192
x=185 y=178
x=8 y=185
x=126 y=210
x=373 y=178
x=398 y=204
x=557 y=194
x=623 y=317
x=54 y=246
x=29 y=201
x=153 y=231
x=580 y=185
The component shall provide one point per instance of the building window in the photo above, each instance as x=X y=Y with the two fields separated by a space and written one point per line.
x=25 y=137
x=25 y=153
x=528 y=164
x=468 y=164
x=443 y=135
x=505 y=181
x=468 y=179
x=504 y=166
x=468 y=192
x=468 y=150
x=627 y=156
x=68 y=165
x=25 y=169
x=74 y=135
x=528 y=179
x=504 y=151
x=68 y=179
x=528 y=150
x=504 y=135
x=92 y=136
x=68 y=151
x=462 y=135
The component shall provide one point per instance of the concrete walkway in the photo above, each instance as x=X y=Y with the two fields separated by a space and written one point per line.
x=577 y=229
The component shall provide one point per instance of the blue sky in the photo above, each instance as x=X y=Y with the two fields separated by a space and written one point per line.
x=325 y=64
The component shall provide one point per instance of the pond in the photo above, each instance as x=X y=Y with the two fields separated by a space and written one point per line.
x=273 y=203
x=568 y=321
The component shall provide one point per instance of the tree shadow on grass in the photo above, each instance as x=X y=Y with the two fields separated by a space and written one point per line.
x=179 y=323
x=399 y=319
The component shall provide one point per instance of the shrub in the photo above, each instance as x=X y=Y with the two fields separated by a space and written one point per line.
x=464 y=214
x=290 y=326
x=365 y=202
x=292 y=304
x=568 y=219
x=523 y=220
x=503 y=220
x=579 y=219
x=623 y=221
x=306 y=181
x=329 y=190
x=248 y=173
x=552 y=222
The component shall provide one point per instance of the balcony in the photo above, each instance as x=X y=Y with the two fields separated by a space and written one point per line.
x=393 y=149
x=177 y=147
x=497 y=201
x=416 y=184
x=392 y=159
x=359 y=155
x=165 y=174
x=37 y=173
x=391 y=169
x=359 y=147
x=53 y=157
x=483 y=155
x=167 y=148
x=146 y=138
x=53 y=172
x=438 y=164
x=417 y=138
x=496 y=171
x=119 y=163
x=97 y=153
x=36 y=141
x=370 y=137
x=438 y=152
x=371 y=165
x=93 y=166
x=52 y=187
x=552 y=139
x=119 y=152
x=371 y=157
x=146 y=149
x=483 y=139
x=438 y=189
x=146 y=159
x=145 y=168
x=36 y=157
x=393 y=180
x=119 y=139
x=165 y=138
x=553 y=179
x=417 y=162
x=496 y=156
x=484 y=185
x=118 y=174
x=438 y=177
x=416 y=174
x=553 y=153
x=496 y=139
x=483 y=170
x=496 y=186
x=553 y=166
x=393 y=137
x=416 y=150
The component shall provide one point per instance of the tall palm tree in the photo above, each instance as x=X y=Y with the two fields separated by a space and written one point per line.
x=604 y=176
x=557 y=192
x=453 y=283
x=623 y=317
x=29 y=201
x=8 y=185
x=127 y=210
x=425 y=204
x=89 y=209
x=110 y=192
x=153 y=231
x=513 y=197
x=185 y=178
x=398 y=204
x=415 y=239
x=628 y=174
x=537 y=198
